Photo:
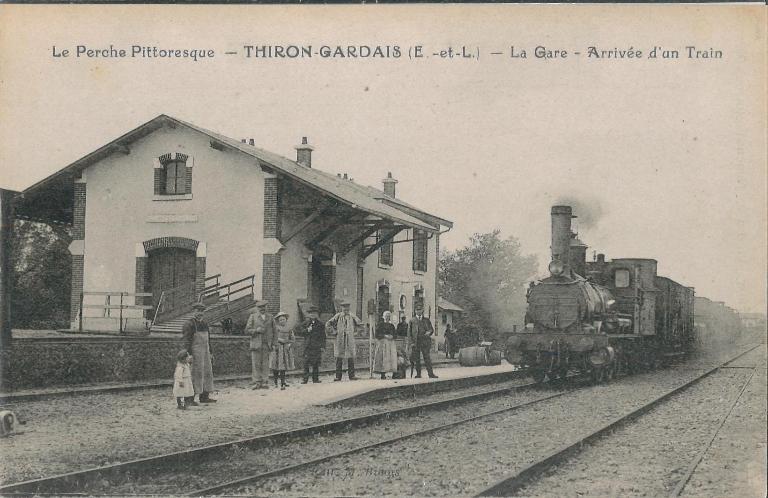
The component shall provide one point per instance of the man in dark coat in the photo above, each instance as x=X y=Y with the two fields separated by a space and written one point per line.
x=196 y=342
x=314 y=343
x=420 y=332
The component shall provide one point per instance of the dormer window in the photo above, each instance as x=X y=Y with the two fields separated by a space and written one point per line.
x=173 y=177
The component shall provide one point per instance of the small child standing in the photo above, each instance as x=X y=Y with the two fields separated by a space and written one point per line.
x=182 y=381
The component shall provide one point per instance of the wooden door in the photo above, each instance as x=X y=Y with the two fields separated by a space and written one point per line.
x=172 y=271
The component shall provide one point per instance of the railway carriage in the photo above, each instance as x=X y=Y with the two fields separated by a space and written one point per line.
x=599 y=317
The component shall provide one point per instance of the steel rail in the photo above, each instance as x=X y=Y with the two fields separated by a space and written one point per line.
x=698 y=458
x=290 y=468
x=70 y=482
x=509 y=485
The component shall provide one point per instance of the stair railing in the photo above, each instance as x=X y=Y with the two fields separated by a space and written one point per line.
x=159 y=307
x=229 y=289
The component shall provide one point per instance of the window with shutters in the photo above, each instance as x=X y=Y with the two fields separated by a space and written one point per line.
x=173 y=177
x=385 y=251
x=419 y=250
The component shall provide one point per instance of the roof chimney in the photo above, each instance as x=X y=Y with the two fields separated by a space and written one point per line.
x=389 y=185
x=251 y=142
x=345 y=176
x=304 y=153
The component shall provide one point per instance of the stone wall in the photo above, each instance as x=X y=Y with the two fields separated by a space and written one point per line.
x=37 y=363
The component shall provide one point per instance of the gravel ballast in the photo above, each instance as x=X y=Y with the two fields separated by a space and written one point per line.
x=71 y=434
x=649 y=456
x=470 y=458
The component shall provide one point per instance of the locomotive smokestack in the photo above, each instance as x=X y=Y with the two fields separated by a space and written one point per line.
x=561 y=237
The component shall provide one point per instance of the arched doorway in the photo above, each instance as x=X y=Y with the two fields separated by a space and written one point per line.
x=172 y=276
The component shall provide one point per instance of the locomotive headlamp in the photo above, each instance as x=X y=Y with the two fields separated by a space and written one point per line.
x=556 y=267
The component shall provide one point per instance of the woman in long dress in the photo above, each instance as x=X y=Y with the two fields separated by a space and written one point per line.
x=385 y=359
x=281 y=358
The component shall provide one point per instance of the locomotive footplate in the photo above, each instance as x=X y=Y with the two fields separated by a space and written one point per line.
x=553 y=343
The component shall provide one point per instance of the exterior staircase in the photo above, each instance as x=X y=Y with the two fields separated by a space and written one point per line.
x=220 y=304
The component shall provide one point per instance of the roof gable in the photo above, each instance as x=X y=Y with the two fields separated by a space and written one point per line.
x=346 y=191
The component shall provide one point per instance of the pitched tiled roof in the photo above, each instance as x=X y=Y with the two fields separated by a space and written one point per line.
x=360 y=197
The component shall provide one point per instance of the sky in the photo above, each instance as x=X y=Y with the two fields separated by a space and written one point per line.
x=661 y=158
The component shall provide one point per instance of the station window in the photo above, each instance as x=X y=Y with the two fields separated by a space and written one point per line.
x=419 y=250
x=622 y=278
x=173 y=177
x=385 y=251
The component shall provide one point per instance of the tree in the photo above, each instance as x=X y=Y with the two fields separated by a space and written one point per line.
x=42 y=276
x=488 y=279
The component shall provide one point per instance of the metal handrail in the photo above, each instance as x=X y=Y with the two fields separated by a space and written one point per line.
x=108 y=306
x=157 y=310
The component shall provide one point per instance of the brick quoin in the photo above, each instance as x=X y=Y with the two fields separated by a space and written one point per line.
x=78 y=261
x=78 y=265
x=141 y=281
x=270 y=282
x=271 y=215
x=78 y=213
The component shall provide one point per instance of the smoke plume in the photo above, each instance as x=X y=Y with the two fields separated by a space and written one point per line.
x=588 y=210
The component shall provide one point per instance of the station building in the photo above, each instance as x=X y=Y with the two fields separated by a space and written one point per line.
x=170 y=214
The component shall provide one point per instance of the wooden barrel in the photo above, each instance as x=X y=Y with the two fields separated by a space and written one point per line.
x=494 y=357
x=473 y=356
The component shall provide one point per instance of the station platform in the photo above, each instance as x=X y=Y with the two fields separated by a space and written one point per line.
x=345 y=393
x=235 y=393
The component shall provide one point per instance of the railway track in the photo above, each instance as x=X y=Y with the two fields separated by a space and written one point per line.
x=238 y=486
x=186 y=462
x=511 y=484
x=86 y=481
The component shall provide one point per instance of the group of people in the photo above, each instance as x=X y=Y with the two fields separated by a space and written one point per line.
x=271 y=348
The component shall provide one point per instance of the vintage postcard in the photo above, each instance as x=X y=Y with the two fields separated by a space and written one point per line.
x=383 y=250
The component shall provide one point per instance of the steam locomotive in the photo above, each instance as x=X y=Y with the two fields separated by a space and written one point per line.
x=599 y=318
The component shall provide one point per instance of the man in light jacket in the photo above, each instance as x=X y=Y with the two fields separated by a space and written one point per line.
x=261 y=328
x=344 y=323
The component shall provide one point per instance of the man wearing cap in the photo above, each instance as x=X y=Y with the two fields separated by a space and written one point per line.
x=314 y=343
x=261 y=328
x=420 y=332
x=344 y=323
x=196 y=341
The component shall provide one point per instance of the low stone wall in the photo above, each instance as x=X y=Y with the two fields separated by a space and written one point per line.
x=36 y=363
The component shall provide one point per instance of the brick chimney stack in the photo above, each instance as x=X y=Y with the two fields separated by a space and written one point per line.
x=304 y=153
x=389 y=185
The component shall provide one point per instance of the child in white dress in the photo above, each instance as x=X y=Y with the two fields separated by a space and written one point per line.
x=182 y=381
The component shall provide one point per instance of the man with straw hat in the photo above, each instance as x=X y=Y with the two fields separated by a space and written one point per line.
x=344 y=323
x=261 y=328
